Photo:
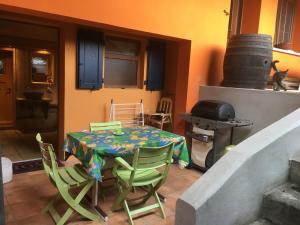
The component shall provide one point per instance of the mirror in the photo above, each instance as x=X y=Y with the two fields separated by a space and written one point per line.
x=1 y=67
x=42 y=67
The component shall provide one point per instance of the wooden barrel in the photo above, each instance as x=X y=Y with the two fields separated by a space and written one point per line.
x=247 y=61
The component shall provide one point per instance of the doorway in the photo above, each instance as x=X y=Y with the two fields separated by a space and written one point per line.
x=7 y=112
x=28 y=91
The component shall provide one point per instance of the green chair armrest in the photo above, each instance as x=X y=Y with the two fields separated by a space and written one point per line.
x=121 y=162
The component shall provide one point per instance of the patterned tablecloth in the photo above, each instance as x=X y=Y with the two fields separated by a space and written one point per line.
x=91 y=147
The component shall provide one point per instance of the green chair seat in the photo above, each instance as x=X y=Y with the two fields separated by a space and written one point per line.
x=141 y=177
x=74 y=176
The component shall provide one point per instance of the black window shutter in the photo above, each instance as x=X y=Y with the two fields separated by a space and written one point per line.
x=156 y=65
x=89 y=59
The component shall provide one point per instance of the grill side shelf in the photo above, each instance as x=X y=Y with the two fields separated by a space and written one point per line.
x=214 y=124
x=199 y=137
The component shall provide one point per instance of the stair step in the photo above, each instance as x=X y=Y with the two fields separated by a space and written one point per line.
x=281 y=206
x=295 y=170
x=262 y=222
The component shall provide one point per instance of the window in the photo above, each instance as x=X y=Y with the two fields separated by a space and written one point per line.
x=121 y=66
x=284 y=24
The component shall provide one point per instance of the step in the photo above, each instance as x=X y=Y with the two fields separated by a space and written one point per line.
x=295 y=170
x=281 y=206
x=262 y=222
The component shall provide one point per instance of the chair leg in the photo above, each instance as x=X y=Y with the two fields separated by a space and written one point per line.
x=125 y=205
x=75 y=205
x=51 y=203
x=122 y=196
x=149 y=194
x=161 y=125
x=65 y=217
x=152 y=192
x=162 y=211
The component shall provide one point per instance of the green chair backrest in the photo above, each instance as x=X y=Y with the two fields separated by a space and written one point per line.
x=48 y=158
x=153 y=158
x=105 y=126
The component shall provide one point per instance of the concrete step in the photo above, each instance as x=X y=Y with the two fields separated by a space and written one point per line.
x=281 y=206
x=262 y=222
x=295 y=170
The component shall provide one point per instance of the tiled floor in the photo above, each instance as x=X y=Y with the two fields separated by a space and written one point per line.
x=28 y=194
x=18 y=146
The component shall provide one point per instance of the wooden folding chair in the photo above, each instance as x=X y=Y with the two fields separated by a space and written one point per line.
x=163 y=113
x=142 y=173
x=65 y=180
x=130 y=114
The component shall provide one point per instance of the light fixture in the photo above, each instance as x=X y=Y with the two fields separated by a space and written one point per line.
x=43 y=51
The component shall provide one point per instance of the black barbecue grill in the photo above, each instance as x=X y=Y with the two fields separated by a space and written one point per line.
x=216 y=116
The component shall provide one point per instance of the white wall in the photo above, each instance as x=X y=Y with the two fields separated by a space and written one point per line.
x=263 y=107
x=231 y=192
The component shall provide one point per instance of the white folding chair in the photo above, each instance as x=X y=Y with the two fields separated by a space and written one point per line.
x=130 y=114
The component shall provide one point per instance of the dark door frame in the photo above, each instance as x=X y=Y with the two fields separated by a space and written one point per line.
x=61 y=95
x=13 y=91
x=2 y=213
x=41 y=21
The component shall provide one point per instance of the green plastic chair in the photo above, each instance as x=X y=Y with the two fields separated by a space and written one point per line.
x=142 y=173
x=105 y=126
x=108 y=161
x=65 y=180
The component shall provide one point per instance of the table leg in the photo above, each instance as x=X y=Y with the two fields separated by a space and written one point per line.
x=94 y=201
x=95 y=194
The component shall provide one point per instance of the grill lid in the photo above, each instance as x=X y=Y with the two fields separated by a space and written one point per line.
x=213 y=109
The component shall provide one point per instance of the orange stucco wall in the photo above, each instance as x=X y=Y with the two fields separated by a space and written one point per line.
x=267 y=21
x=84 y=106
x=202 y=22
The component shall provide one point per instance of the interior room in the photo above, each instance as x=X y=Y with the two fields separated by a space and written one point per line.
x=28 y=87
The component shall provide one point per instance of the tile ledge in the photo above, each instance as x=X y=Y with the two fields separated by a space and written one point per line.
x=290 y=52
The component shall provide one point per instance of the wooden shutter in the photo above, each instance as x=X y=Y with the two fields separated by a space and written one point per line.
x=235 y=19
x=89 y=59
x=156 y=65
x=284 y=22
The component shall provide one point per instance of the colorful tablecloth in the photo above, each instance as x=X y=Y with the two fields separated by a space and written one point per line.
x=91 y=147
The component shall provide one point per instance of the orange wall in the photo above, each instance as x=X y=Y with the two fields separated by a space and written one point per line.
x=267 y=21
x=84 y=106
x=202 y=22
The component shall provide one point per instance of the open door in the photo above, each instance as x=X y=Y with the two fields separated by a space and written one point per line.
x=7 y=103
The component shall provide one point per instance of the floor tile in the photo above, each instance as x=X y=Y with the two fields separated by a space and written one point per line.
x=18 y=146
x=29 y=193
